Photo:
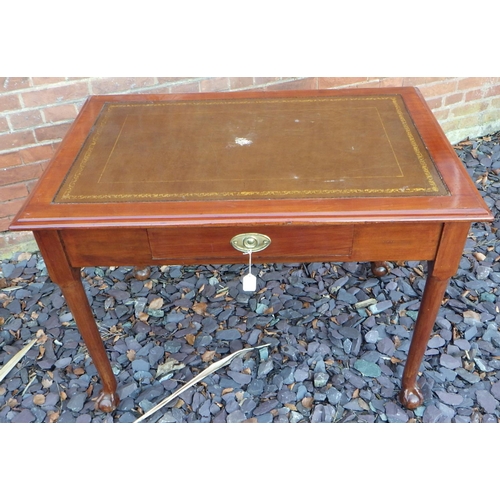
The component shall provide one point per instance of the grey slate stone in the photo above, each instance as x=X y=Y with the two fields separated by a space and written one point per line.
x=140 y=365
x=367 y=368
x=472 y=378
x=320 y=379
x=264 y=368
x=240 y=378
x=380 y=306
x=76 y=402
x=256 y=387
x=495 y=390
x=432 y=415
x=231 y=334
x=450 y=362
x=395 y=414
x=450 y=398
x=236 y=417
x=265 y=407
x=24 y=417
x=486 y=400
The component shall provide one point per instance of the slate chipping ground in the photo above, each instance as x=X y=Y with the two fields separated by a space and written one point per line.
x=329 y=359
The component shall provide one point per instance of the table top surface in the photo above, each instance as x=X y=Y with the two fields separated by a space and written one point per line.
x=301 y=156
x=297 y=147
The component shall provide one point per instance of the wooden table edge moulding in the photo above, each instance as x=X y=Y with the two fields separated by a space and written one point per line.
x=303 y=176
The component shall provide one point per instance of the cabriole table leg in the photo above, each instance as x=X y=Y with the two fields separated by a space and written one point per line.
x=69 y=280
x=75 y=296
x=440 y=270
x=410 y=395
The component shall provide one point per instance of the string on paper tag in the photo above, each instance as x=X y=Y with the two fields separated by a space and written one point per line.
x=249 y=280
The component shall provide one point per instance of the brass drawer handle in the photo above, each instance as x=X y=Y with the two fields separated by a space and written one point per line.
x=250 y=242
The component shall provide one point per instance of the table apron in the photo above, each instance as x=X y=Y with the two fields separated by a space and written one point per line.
x=289 y=243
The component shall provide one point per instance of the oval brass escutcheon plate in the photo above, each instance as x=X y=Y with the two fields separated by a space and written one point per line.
x=250 y=242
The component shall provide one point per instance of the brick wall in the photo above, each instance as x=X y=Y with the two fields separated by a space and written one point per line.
x=35 y=113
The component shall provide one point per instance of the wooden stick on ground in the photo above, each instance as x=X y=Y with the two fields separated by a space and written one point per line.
x=15 y=359
x=207 y=371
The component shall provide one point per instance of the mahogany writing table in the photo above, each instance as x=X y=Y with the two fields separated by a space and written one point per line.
x=355 y=175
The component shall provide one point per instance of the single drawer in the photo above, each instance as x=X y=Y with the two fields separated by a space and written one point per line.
x=289 y=243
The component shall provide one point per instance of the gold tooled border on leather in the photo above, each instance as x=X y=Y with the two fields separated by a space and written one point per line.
x=65 y=195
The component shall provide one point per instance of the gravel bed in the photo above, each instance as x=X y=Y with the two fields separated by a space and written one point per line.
x=338 y=337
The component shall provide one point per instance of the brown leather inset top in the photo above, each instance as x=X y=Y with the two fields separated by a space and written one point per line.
x=303 y=147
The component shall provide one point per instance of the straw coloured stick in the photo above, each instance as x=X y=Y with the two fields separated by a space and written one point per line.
x=15 y=359
x=207 y=371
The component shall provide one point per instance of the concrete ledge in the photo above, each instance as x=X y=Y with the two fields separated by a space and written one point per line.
x=12 y=242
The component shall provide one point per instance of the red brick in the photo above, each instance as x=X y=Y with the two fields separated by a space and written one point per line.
x=453 y=98
x=110 y=85
x=20 y=173
x=8 y=208
x=8 y=83
x=54 y=95
x=31 y=184
x=214 y=84
x=472 y=83
x=474 y=95
x=79 y=105
x=13 y=191
x=4 y=126
x=153 y=90
x=415 y=81
x=438 y=89
x=9 y=102
x=170 y=79
x=367 y=85
x=334 y=82
x=393 y=81
x=43 y=80
x=263 y=80
x=44 y=164
x=435 y=103
x=10 y=159
x=302 y=84
x=241 y=82
x=25 y=119
x=4 y=223
x=492 y=91
x=60 y=113
x=185 y=87
x=36 y=153
x=52 y=132
x=13 y=140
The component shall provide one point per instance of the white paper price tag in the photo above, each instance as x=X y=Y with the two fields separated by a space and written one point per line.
x=249 y=283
